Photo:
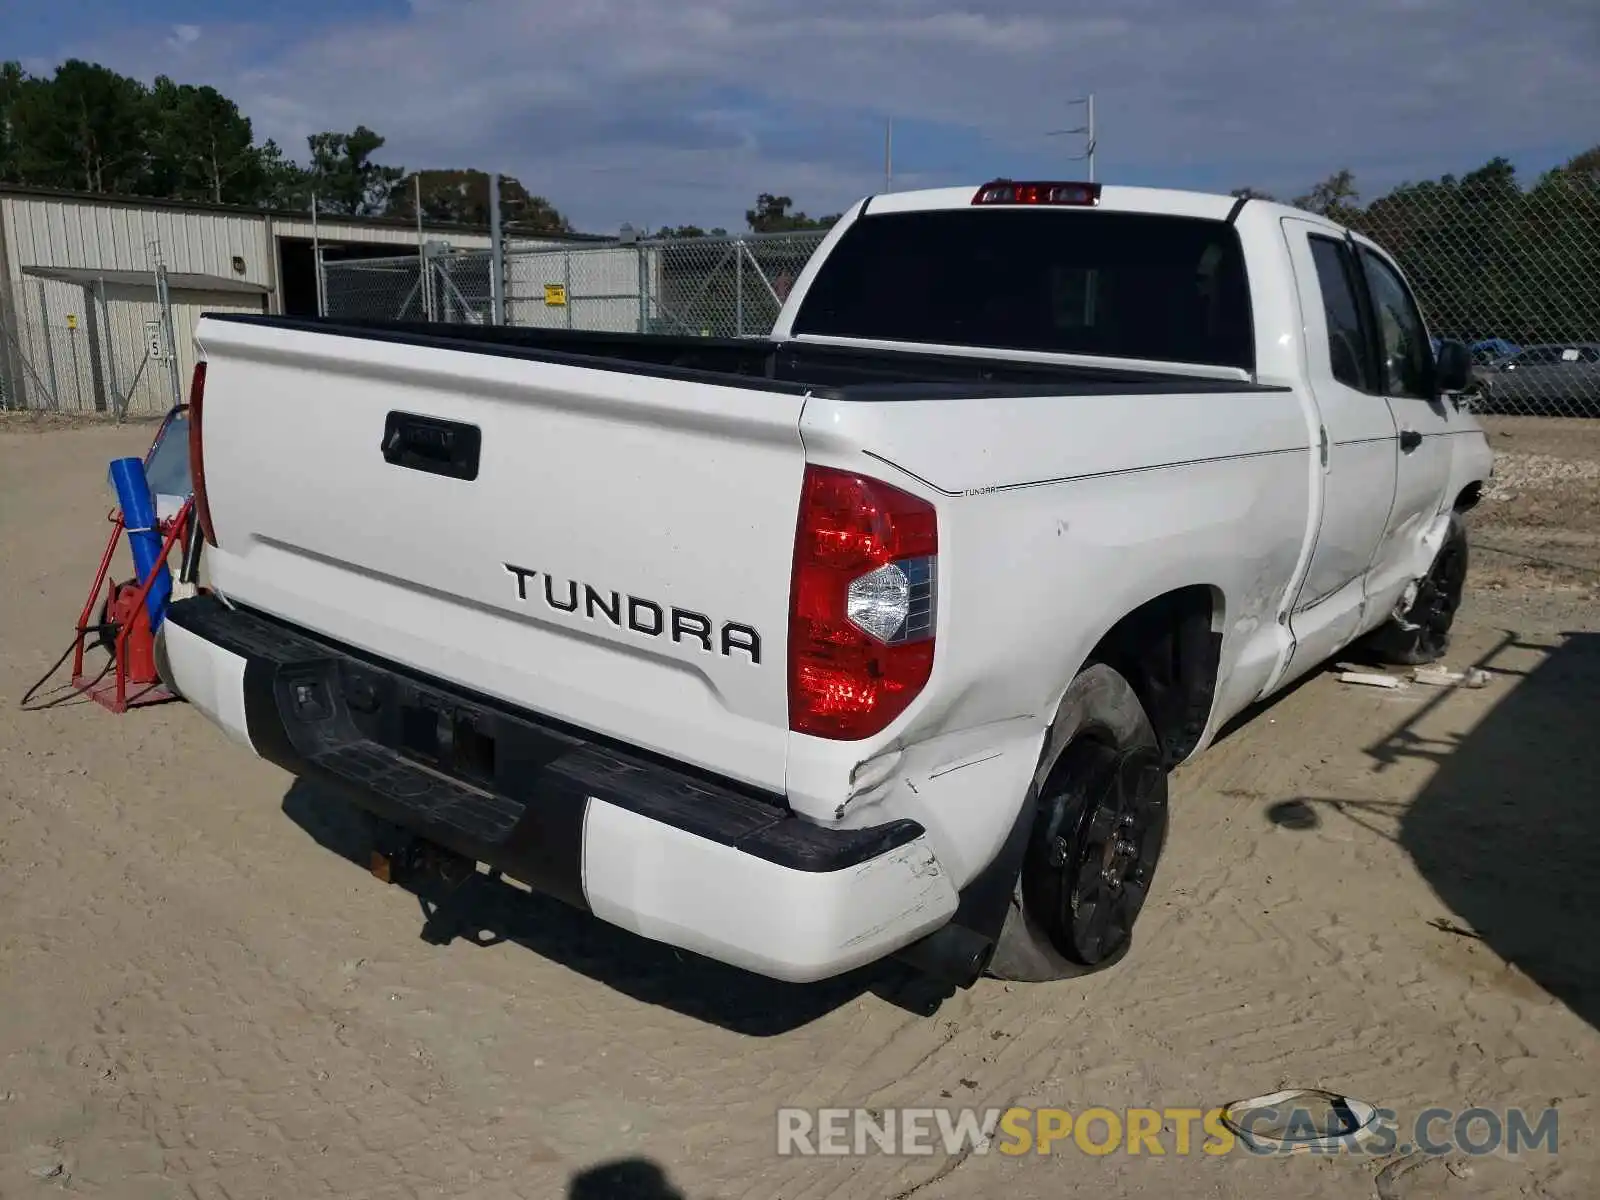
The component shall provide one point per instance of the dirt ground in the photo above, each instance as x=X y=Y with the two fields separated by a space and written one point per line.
x=1386 y=893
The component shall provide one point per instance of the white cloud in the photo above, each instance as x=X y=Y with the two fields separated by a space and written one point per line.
x=639 y=110
x=184 y=35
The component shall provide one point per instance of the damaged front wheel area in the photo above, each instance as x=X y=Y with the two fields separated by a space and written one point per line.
x=1422 y=633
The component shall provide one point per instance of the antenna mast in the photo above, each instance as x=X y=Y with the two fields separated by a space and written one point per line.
x=1086 y=129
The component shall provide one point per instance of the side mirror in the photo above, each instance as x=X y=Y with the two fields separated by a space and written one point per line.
x=1452 y=369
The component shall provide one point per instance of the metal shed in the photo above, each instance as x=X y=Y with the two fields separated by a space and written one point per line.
x=79 y=286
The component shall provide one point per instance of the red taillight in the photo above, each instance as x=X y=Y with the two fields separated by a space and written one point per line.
x=862 y=605
x=1068 y=195
x=197 y=452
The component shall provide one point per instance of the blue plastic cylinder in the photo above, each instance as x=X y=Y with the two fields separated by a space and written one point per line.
x=139 y=519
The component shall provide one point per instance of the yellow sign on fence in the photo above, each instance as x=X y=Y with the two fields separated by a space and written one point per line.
x=72 y=320
x=555 y=295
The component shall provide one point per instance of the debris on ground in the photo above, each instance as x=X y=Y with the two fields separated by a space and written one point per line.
x=1371 y=679
x=1445 y=925
x=1441 y=676
x=1298 y=1120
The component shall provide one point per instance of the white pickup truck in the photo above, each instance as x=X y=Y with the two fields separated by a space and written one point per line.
x=878 y=637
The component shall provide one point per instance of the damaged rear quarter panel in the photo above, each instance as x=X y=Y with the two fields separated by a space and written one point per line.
x=1061 y=517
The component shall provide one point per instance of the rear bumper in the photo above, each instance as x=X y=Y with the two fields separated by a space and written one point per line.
x=653 y=847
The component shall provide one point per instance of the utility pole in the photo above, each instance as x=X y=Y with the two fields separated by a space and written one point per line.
x=1086 y=129
x=888 y=155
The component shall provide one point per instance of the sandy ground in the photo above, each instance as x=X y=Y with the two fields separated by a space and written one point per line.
x=1389 y=894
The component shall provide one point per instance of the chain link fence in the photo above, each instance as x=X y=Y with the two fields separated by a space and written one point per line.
x=90 y=346
x=453 y=288
x=712 y=287
x=1514 y=274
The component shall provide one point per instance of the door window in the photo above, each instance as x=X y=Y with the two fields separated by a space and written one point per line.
x=1347 y=345
x=1405 y=358
x=1545 y=356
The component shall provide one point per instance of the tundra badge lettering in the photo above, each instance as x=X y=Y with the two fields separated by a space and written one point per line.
x=647 y=618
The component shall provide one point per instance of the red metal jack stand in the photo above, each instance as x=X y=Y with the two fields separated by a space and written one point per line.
x=132 y=680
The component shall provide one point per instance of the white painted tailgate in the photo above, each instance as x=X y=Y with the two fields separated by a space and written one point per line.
x=677 y=494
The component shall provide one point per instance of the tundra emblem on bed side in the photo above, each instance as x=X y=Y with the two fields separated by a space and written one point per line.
x=647 y=618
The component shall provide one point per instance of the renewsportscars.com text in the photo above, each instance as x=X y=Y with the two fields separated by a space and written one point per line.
x=1150 y=1131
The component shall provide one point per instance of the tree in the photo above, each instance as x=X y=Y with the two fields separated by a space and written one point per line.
x=670 y=232
x=462 y=198
x=202 y=147
x=1584 y=167
x=1335 y=197
x=87 y=128
x=343 y=175
x=284 y=182
x=83 y=129
x=11 y=81
x=1487 y=258
x=771 y=215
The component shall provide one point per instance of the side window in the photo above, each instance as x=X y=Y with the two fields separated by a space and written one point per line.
x=1543 y=356
x=1407 y=359
x=1347 y=347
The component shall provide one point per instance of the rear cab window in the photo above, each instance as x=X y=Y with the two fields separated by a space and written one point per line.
x=1107 y=284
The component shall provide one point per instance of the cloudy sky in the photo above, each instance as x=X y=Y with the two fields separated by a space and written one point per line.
x=671 y=111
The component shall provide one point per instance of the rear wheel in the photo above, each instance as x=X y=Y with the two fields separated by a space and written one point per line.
x=1422 y=633
x=1099 y=826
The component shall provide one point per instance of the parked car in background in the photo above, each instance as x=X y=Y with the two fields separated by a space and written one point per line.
x=1558 y=379
x=1489 y=350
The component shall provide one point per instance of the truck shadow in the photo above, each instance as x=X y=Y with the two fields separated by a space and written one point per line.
x=489 y=910
x=1507 y=830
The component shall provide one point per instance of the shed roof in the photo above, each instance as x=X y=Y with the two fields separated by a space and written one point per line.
x=26 y=191
x=182 y=281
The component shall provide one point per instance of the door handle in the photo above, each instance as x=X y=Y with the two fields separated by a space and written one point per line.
x=1410 y=439
x=429 y=444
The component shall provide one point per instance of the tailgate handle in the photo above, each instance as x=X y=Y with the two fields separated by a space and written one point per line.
x=429 y=444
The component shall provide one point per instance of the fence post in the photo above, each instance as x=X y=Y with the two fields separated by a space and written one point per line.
x=316 y=258
x=497 y=256
x=108 y=344
x=738 y=289
x=566 y=283
x=644 y=287
x=49 y=348
x=170 y=335
x=77 y=365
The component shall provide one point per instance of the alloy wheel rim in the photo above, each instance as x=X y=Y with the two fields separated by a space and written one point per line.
x=1107 y=859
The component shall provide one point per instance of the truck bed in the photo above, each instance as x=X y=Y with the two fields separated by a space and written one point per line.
x=792 y=367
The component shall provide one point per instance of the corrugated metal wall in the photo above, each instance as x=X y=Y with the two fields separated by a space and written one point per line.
x=61 y=349
x=127 y=311
x=91 y=361
x=57 y=232
x=83 y=347
x=87 y=349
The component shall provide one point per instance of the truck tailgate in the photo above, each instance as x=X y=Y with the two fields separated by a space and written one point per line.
x=618 y=558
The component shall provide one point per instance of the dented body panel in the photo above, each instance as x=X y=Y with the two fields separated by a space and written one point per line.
x=620 y=562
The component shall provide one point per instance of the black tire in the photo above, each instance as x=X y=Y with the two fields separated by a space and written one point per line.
x=1099 y=799
x=106 y=631
x=1423 y=636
